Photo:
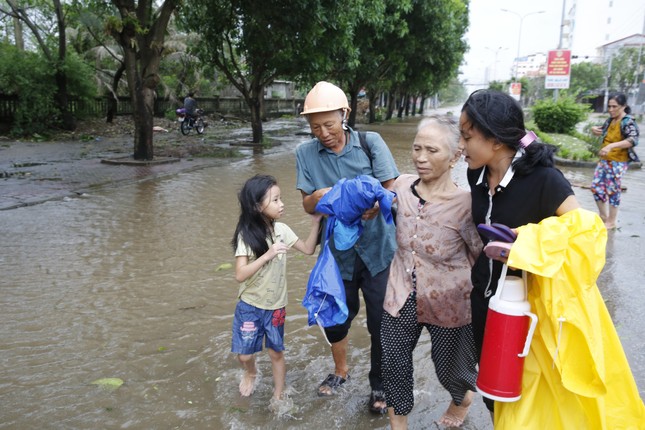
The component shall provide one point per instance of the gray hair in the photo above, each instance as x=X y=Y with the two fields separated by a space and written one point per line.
x=447 y=124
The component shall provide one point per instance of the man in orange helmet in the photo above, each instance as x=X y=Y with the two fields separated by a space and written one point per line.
x=335 y=153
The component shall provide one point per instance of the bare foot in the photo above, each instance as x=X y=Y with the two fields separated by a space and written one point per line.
x=247 y=384
x=455 y=415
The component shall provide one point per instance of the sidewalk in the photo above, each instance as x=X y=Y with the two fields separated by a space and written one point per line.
x=32 y=173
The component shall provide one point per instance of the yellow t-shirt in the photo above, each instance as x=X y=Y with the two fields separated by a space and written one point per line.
x=614 y=135
x=267 y=288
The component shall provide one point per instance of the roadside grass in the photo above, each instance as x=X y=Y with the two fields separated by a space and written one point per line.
x=570 y=147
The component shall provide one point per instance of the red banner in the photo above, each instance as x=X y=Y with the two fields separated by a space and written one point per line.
x=558 y=68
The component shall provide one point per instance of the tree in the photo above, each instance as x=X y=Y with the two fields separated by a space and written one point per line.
x=625 y=69
x=586 y=77
x=54 y=13
x=254 y=42
x=140 y=30
x=366 y=63
x=427 y=57
x=498 y=86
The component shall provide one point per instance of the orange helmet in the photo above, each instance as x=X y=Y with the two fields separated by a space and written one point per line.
x=325 y=97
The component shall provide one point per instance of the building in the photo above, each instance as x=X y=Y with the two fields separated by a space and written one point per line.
x=590 y=24
x=531 y=66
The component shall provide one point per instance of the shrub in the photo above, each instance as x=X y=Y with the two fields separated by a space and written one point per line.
x=32 y=78
x=559 y=116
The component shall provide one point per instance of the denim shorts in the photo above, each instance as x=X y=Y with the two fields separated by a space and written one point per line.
x=251 y=325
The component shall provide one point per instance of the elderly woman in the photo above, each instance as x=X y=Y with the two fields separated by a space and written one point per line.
x=429 y=283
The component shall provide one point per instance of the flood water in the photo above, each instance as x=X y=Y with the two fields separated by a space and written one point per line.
x=128 y=283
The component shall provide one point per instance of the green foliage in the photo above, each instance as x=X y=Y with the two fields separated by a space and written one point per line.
x=497 y=86
x=570 y=146
x=593 y=142
x=31 y=77
x=586 y=77
x=28 y=76
x=454 y=92
x=544 y=137
x=80 y=83
x=559 y=116
x=626 y=69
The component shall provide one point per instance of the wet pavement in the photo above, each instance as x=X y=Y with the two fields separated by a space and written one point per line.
x=35 y=172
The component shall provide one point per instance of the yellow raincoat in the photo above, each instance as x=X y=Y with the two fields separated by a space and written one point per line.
x=576 y=375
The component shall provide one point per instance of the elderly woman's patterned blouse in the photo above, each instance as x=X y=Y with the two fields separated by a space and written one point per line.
x=438 y=241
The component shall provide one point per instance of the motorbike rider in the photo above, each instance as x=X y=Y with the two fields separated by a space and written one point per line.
x=190 y=105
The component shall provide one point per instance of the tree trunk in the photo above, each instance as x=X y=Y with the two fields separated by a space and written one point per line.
x=143 y=123
x=18 y=33
x=372 y=115
x=68 y=122
x=423 y=102
x=353 y=105
x=256 y=122
x=142 y=56
x=390 y=106
x=254 y=101
x=402 y=106
x=113 y=97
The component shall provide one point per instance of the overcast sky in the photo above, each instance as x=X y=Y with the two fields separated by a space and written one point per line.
x=494 y=33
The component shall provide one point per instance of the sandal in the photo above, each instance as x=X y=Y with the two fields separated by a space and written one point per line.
x=377 y=396
x=333 y=382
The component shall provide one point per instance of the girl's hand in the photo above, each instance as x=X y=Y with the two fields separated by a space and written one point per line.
x=316 y=218
x=498 y=251
x=277 y=249
x=596 y=130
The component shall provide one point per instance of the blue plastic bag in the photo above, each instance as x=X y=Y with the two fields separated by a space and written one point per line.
x=325 y=296
x=346 y=202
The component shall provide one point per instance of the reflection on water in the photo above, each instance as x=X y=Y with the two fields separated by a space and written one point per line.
x=125 y=283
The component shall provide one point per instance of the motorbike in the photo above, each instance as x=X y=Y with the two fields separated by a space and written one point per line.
x=189 y=122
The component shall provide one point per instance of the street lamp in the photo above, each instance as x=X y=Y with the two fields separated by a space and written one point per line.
x=519 y=36
x=496 y=51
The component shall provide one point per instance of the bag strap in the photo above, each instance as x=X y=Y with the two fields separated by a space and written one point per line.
x=362 y=137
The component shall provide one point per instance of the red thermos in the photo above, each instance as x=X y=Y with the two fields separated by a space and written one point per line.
x=507 y=338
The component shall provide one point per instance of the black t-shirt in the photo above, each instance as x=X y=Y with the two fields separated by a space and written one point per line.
x=524 y=199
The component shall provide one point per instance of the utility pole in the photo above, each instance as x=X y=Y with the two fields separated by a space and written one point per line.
x=604 y=107
x=556 y=92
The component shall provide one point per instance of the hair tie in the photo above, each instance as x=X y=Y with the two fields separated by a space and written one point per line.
x=528 y=138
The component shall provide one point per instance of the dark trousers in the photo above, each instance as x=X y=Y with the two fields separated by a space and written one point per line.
x=373 y=288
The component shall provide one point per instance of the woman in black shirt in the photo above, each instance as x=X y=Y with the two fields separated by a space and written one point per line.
x=513 y=181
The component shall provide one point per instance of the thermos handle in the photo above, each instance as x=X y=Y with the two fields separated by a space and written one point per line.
x=529 y=336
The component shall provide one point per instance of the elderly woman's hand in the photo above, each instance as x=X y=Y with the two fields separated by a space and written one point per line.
x=371 y=213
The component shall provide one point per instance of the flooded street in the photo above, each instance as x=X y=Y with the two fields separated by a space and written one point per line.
x=132 y=283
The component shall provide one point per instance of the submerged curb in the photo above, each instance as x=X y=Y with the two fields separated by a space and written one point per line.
x=130 y=161
x=591 y=164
